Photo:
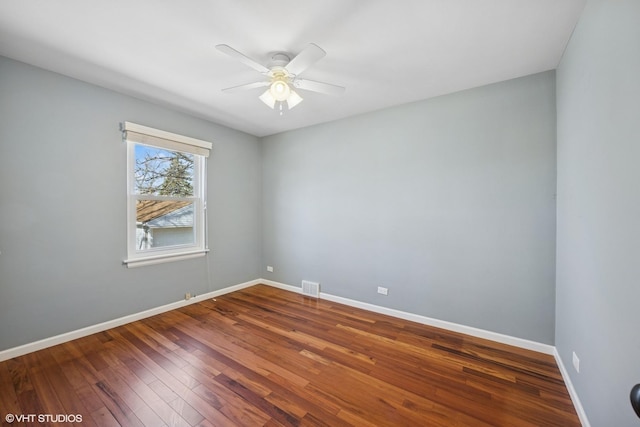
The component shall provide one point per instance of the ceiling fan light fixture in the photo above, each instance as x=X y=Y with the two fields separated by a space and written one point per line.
x=294 y=99
x=268 y=99
x=282 y=76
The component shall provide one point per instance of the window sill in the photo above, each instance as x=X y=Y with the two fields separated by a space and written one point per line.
x=160 y=259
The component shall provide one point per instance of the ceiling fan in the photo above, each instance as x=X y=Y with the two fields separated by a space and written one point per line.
x=281 y=76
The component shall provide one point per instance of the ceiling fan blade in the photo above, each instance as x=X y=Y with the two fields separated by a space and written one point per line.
x=305 y=59
x=247 y=86
x=242 y=58
x=320 y=87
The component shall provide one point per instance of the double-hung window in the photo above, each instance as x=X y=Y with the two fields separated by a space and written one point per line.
x=166 y=205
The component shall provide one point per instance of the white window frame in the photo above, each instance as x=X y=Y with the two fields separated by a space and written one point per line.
x=135 y=134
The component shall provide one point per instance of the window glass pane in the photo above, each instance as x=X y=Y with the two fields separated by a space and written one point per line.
x=161 y=223
x=163 y=172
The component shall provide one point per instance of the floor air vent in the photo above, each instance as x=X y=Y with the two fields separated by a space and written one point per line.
x=311 y=289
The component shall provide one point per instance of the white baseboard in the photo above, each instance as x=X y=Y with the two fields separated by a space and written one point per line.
x=79 y=333
x=572 y=391
x=296 y=289
x=455 y=327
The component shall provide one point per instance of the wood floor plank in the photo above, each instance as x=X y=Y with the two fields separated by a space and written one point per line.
x=103 y=418
x=139 y=362
x=8 y=397
x=70 y=402
x=268 y=357
x=234 y=408
x=28 y=399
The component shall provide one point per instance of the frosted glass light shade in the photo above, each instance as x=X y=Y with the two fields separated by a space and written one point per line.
x=268 y=99
x=294 y=99
x=280 y=90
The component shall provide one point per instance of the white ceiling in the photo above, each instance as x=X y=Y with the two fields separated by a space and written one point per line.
x=384 y=52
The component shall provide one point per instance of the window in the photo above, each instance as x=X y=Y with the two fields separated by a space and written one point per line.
x=166 y=206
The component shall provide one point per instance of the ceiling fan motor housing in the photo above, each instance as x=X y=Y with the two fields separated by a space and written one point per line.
x=279 y=60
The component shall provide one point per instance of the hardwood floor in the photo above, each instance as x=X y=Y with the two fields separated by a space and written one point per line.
x=267 y=357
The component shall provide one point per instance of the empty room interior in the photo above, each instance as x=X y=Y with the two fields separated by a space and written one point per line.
x=358 y=213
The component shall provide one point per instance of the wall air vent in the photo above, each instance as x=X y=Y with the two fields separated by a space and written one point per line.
x=311 y=289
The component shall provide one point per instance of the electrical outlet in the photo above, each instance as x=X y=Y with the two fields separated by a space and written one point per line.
x=187 y=296
x=269 y=269
x=383 y=291
x=576 y=362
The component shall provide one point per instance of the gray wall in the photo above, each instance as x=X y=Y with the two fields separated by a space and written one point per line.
x=63 y=199
x=598 y=261
x=449 y=202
